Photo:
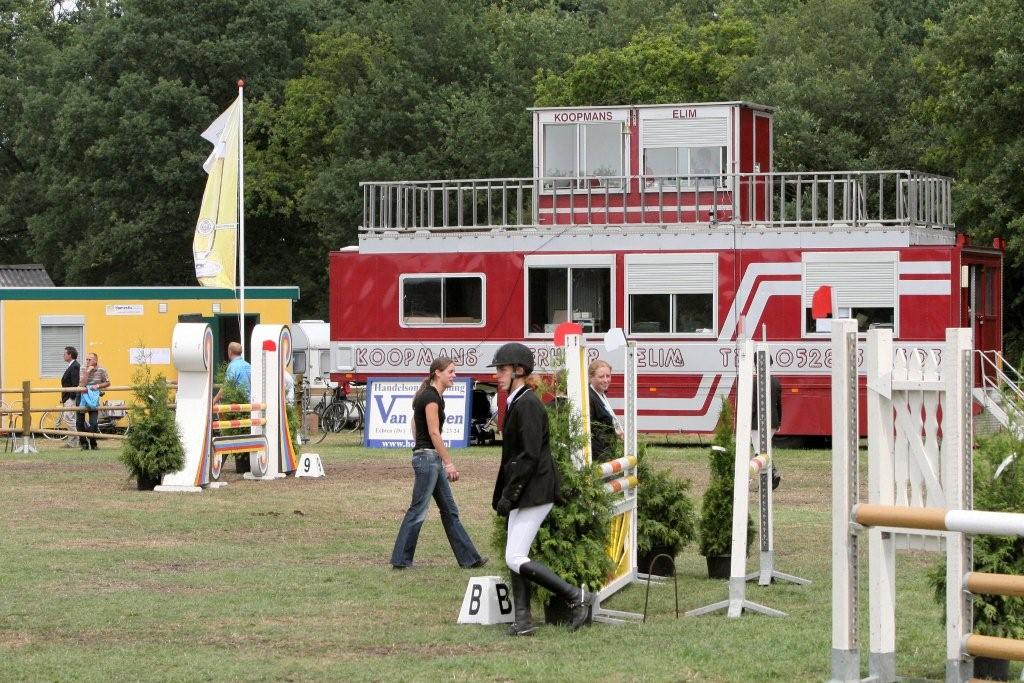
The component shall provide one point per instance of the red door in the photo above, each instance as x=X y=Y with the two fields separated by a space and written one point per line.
x=981 y=304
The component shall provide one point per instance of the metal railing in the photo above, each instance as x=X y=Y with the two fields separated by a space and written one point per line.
x=782 y=200
x=1003 y=386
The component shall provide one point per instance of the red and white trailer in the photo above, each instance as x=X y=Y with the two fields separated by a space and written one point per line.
x=669 y=222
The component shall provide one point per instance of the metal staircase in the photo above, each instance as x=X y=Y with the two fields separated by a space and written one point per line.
x=1001 y=390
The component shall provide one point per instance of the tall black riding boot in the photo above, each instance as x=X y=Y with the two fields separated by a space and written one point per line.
x=579 y=604
x=523 y=625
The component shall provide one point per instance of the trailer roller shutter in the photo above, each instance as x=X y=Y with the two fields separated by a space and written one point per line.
x=670 y=278
x=709 y=132
x=865 y=280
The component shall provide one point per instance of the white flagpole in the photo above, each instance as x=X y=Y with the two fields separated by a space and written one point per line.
x=241 y=221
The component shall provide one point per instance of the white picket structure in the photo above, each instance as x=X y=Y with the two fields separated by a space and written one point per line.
x=919 y=455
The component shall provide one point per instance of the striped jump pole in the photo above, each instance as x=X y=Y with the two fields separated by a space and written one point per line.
x=236 y=424
x=238 y=407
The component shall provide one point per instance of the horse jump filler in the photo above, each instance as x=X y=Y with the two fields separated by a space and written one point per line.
x=269 y=444
x=620 y=475
x=917 y=481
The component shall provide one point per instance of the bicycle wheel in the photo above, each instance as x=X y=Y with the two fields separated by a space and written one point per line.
x=335 y=417
x=313 y=426
x=52 y=422
x=354 y=417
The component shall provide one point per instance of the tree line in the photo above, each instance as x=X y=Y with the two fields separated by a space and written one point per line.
x=102 y=103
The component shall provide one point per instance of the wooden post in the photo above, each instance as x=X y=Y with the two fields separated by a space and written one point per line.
x=26 y=420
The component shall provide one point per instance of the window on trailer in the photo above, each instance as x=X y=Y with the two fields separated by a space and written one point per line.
x=690 y=167
x=672 y=293
x=557 y=295
x=447 y=300
x=582 y=151
x=864 y=285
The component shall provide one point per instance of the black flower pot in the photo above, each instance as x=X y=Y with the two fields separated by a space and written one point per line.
x=989 y=669
x=719 y=566
x=651 y=563
x=146 y=482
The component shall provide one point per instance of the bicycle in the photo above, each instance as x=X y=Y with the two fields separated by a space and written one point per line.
x=59 y=419
x=333 y=416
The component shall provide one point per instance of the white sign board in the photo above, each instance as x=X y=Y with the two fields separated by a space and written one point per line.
x=124 y=309
x=388 y=418
x=140 y=355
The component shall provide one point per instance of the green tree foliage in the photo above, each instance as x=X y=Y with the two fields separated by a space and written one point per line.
x=414 y=89
x=153 y=447
x=972 y=63
x=679 y=62
x=108 y=106
x=715 y=527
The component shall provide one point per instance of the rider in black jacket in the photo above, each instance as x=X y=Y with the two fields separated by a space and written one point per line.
x=527 y=487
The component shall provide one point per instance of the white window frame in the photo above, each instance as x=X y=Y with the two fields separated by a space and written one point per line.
x=845 y=257
x=580 y=160
x=568 y=261
x=672 y=259
x=421 y=276
x=72 y=321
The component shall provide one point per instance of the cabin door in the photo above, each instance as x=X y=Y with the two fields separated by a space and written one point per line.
x=981 y=307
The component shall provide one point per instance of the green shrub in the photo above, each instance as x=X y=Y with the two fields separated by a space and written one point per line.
x=666 y=516
x=153 y=447
x=573 y=539
x=716 y=508
x=995 y=615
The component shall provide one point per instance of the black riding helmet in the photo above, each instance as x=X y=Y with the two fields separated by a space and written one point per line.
x=513 y=353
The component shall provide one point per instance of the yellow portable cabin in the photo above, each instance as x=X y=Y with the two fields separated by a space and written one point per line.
x=124 y=326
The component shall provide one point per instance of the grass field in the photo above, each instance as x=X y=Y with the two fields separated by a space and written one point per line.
x=290 y=581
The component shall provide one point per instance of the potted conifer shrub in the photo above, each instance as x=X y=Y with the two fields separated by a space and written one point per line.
x=573 y=539
x=715 y=528
x=153 y=447
x=666 y=517
x=998 y=487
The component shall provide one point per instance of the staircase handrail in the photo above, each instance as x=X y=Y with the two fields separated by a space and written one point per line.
x=1012 y=380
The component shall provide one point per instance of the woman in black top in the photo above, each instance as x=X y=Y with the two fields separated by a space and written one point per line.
x=429 y=458
x=527 y=488
x=604 y=428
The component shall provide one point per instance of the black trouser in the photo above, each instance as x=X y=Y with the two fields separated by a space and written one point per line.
x=82 y=425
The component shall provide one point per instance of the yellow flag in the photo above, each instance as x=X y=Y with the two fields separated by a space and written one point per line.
x=215 y=243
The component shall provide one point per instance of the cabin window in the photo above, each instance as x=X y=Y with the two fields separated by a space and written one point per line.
x=584 y=150
x=56 y=332
x=686 y=167
x=578 y=294
x=863 y=283
x=442 y=300
x=684 y=153
x=672 y=293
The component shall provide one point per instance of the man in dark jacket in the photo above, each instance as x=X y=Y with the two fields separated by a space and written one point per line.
x=68 y=380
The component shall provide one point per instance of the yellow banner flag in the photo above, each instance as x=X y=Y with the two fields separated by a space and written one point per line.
x=215 y=243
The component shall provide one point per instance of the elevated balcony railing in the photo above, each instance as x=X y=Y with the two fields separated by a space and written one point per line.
x=782 y=200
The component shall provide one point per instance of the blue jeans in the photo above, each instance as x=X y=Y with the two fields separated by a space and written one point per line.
x=430 y=482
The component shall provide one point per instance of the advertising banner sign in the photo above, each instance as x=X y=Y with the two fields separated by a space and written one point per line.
x=388 y=419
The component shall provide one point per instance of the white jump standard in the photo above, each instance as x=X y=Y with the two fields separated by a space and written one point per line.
x=744 y=468
x=911 y=472
x=271 y=454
